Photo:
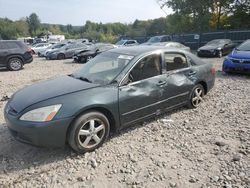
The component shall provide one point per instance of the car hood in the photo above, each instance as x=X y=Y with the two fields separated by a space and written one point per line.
x=47 y=90
x=240 y=54
x=210 y=47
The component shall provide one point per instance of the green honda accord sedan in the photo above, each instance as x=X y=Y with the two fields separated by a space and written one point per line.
x=114 y=90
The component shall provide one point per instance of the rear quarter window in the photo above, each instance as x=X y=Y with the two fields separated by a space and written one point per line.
x=194 y=60
x=9 y=45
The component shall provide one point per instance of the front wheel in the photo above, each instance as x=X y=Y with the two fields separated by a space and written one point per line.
x=89 y=132
x=220 y=54
x=196 y=96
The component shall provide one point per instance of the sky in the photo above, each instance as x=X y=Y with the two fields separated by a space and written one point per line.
x=77 y=12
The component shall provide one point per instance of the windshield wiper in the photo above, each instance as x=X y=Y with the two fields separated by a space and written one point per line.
x=85 y=79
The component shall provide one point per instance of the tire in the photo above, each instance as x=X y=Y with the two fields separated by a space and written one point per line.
x=60 y=56
x=89 y=58
x=15 y=64
x=196 y=96
x=220 y=54
x=88 y=132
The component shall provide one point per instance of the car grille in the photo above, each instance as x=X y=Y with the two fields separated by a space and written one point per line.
x=241 y=61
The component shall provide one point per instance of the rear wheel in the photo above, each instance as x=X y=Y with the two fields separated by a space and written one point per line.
x=15 y=64
x=89 y=132
x=60 y=56
x=196 y=96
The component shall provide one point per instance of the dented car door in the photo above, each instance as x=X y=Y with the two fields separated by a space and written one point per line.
x=139 y=94
x=178 y=77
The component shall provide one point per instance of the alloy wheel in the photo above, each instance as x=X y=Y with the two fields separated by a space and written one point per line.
x=197 y=96
x=91 y=133
x=15 y=64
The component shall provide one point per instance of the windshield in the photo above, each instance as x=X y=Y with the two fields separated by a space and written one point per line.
x=121 y=42
x=154 y=39
x=245 y=46
x=216 y=42
x=104 y=68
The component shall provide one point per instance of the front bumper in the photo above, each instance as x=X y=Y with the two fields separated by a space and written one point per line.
x=229 y=66
x=45 y=134
x=79 y=59
x=207 y=53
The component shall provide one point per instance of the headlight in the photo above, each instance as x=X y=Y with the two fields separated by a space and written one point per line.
x=218 y=48
x=41 y=114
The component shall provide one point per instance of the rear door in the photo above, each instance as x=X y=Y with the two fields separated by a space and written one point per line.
x=3 y=53
x=139 y=92
x=178 y=80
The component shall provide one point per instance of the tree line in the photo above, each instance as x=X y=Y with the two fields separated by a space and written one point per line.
x=187 y=16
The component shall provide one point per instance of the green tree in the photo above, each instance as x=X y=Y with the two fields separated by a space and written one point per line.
x=34 y=23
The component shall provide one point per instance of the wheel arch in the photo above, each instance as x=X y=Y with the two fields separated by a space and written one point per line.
x=15 y=56
x=101 y=109
x=204 y=85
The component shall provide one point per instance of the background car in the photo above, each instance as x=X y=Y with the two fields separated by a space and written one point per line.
x=216 y=48
x=123 y=43
x=156 y=39
x=116 y=89
x=40 y=47
x=50 y=48
x=66 y=51
x=83 y=56
x=239 y=59
x=173 y=45
x=14 y=54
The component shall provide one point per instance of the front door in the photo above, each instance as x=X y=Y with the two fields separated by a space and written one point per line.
x=139 y=93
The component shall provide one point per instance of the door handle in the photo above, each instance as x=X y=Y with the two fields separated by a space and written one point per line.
x=191 y=73
x=161 y=83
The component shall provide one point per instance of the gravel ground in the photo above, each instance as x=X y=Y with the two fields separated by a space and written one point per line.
x=204 y=147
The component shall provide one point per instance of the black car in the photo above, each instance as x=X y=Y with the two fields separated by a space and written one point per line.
x=84 y=55
x=114 y=90
x=216 y=48
x=14 y=54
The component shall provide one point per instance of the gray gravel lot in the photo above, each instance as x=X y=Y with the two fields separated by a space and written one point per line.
x=204 y=147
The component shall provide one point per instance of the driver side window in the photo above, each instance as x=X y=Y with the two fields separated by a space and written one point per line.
x=147 y=67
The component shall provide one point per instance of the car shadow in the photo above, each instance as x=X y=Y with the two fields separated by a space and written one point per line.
x=17 y=156
x=3 y=69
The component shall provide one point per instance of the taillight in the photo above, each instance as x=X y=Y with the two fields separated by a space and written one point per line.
x=30 y=51
x=213 y=71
